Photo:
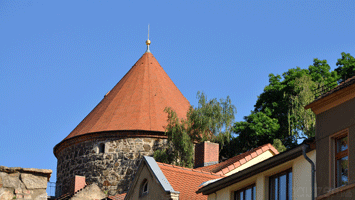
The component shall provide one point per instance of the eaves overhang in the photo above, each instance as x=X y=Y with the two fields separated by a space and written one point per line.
x=159 y=175
x=335 y=97
x=254 y=170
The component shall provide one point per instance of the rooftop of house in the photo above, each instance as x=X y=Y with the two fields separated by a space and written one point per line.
x=274 y=161
x=342 y=85
x=185 y=180
x=117 y=197
x=339 y=94
x=223 y=168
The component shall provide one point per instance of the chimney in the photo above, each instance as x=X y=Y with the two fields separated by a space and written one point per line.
x=206 y=153
x=77 y=183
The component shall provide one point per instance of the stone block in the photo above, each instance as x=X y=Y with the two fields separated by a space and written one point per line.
x=17 y=191
x=10 y=180
x=34 y=182
x=19 y=196
x=146 y=147
x=26 y=191
x=6 y=194
x=42 y=196
x=27 y=196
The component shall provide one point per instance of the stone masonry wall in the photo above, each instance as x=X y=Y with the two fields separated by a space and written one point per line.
x=113 y=171
x=23 y=183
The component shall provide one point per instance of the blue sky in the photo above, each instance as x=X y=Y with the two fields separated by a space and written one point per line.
x=59 y=59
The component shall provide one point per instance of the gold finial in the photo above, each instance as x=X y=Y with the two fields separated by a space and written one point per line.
x=148 y=41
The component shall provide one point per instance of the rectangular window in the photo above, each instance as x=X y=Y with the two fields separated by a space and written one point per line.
x=341 y=161
x=247 y=193
x=280 y=186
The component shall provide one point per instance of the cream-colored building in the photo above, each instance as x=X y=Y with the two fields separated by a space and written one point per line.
x=156 y=180
x=160 y=181
x=286 y=175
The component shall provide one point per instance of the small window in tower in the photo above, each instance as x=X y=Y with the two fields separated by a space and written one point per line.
x=102 y=148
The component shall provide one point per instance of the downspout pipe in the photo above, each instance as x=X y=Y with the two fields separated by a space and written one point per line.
x=304 y=148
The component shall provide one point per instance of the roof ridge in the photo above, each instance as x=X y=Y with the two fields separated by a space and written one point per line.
x=230 y=164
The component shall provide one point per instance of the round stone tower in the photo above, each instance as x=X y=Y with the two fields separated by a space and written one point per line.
x=127 y=124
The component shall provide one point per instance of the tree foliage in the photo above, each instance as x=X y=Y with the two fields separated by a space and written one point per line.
x=211 y=120
x=302 y=122
x=180 y=146
x=257 y=129
x=279 y=116
x=346 y=66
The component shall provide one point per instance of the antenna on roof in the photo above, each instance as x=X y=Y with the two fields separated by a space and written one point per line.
x=148 y=41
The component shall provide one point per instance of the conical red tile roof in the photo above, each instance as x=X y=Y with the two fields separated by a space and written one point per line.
x=137 y=102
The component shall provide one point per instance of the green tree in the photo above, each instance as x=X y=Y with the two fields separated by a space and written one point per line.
x=346 y=67
x=211 y=120
x=320 y=72
x=179 y=150
x=257 y=129
x=302 y=122
x=280 y=108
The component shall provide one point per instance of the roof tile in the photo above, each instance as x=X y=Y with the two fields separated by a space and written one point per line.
x=186 y=180
x=248 y=157
x=137 y=102
x=253 y=154
x=265 y=148
x=231 y=167
x=236 y=164
x=259 y=151
x=118 y=197
x=238 y=160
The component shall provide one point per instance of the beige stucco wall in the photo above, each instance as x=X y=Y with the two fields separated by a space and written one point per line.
x=155 y=190
x=265 y=155
x=301 y=181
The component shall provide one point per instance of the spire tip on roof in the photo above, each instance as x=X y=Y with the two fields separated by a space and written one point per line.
x=148 y=42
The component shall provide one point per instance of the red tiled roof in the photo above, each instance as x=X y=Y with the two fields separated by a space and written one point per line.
x=137 y=102
x=236 y=161
x=186 y=180
x=118 y=196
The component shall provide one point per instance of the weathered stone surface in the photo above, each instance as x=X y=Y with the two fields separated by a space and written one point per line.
x=34 y=182
x=146 y=147
x=42 y=196
x=13 y=187
x=10 y=170
x=118 y=164
x=10 y=180
x=6 y=194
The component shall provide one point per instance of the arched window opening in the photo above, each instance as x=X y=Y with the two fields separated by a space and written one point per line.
x=102 y=148
x=144 y=188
